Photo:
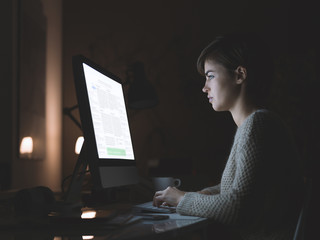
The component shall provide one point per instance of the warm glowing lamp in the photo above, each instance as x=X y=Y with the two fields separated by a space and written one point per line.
x=87 y=237
x=88 y=214
x=78 y=145
x=26 y=146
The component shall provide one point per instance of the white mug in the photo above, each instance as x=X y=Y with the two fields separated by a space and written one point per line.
x=161 y=183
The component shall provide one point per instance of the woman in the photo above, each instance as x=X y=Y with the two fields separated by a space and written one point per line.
x=258 y=196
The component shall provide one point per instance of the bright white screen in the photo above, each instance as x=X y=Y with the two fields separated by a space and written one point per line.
x=109 y=116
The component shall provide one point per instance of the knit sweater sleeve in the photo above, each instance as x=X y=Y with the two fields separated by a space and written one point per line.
x=237 y=181
x=212 y=190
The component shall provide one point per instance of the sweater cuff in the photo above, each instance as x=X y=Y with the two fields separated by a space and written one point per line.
x=185 y=205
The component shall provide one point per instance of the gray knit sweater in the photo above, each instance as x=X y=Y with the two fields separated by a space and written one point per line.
x=257 y=196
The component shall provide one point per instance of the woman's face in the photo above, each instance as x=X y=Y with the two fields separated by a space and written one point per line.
x=220 y=86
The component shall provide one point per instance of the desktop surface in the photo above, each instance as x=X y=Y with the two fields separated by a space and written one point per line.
x=113 y=221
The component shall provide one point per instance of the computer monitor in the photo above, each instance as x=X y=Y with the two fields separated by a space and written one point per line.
x=107 y=147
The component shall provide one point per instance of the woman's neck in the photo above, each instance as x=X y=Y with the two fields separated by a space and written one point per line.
x=241 y=111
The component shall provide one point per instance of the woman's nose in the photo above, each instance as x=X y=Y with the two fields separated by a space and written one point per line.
x=204 y=89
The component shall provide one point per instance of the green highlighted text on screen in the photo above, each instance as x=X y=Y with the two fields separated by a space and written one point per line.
x=116 y=151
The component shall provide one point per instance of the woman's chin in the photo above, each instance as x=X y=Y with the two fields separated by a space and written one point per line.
x=217 y=108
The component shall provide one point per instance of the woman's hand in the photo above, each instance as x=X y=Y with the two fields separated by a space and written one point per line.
x=171 y=196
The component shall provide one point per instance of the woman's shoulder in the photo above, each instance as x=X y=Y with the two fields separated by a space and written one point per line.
x=263 y=121
x=264 y=116
x=264 y=113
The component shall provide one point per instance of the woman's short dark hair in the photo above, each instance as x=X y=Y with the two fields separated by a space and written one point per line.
x=246 y=50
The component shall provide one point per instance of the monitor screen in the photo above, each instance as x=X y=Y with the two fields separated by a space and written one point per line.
x=108 y=148
x=109 y=116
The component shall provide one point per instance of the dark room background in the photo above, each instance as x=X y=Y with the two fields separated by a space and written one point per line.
x=167 y=36
x=182 y=135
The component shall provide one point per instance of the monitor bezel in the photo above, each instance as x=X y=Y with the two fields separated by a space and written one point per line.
x=86 y=116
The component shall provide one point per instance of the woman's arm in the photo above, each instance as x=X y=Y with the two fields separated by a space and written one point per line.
x=211 y=190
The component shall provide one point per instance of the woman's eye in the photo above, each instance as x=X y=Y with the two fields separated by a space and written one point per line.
x=210 y=77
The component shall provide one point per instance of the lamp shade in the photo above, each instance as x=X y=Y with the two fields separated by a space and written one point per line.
x=26 y=146
x=141 y=93
x=78 y=145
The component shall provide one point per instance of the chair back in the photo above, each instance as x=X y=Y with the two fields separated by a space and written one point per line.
x=301 y=224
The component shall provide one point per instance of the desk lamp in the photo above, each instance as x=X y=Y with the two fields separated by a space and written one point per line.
x=79 y=144
x=141 y=93
x=26 y=147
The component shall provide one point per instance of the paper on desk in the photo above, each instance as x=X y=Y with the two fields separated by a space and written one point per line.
x=177 y=216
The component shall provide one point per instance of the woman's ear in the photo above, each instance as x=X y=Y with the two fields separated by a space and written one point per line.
x=241 y=73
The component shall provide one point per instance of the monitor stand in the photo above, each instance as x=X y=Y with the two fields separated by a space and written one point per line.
x=74 y=190
x=112 y=178
x=74 y=197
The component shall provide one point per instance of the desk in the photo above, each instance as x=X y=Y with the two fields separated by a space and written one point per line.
x=137 y=228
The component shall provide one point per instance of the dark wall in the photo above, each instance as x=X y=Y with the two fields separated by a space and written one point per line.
x=7 y=96
x=167 y=36
x=301 y=88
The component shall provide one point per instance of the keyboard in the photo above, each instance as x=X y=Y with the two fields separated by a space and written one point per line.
x=148 y=207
